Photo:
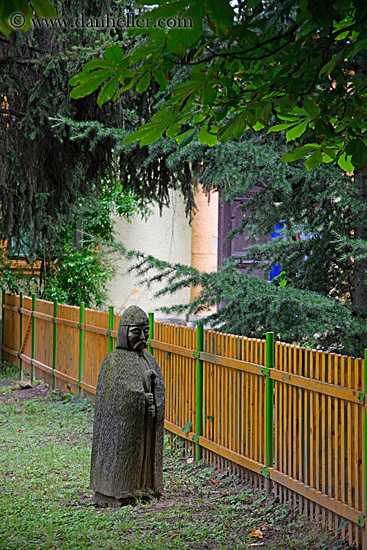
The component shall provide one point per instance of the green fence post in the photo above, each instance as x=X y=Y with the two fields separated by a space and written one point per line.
x=110 y=327
x=81 y=347
x=33 y=335
x=199 y=389
x=269 y=407
x=2 y=326
x=151 y=331
x=54 y=346
x=20 y=335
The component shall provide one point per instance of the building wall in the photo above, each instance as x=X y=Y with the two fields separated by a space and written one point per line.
x=166 y=237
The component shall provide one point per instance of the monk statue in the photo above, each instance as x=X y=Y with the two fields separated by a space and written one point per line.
x=127 y=449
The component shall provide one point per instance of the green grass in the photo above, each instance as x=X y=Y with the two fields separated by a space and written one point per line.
x=45 y=447
x=9 y=372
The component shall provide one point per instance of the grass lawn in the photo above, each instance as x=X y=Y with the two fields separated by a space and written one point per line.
x=45 y=447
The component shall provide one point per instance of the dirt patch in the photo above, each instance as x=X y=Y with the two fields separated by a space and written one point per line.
x=38 y=390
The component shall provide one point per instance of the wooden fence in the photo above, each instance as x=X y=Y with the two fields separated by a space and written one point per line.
x=280 y=416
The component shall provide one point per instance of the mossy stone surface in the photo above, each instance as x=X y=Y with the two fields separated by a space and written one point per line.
x=132 y=316
x=127 y=449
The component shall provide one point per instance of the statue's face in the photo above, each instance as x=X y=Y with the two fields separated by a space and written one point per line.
x=137 y=337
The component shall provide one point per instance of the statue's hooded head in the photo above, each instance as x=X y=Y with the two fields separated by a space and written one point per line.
x=133 y=329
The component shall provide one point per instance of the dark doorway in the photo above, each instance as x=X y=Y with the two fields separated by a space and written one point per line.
x=230 y=217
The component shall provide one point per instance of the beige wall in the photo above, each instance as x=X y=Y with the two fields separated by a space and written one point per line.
x=166 y=237
x=204 y=247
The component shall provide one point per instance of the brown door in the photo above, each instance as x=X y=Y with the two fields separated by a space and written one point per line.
x=230 y=217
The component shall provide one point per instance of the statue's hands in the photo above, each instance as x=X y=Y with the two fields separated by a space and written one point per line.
x=149 y=398
x=151 y=411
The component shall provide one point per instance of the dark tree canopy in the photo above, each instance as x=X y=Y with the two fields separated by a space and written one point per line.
x=42 y=172
x=55 y=149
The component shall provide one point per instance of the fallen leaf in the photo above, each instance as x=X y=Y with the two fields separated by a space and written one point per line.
x=256 y=533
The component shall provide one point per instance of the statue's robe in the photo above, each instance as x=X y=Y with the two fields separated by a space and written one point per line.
x=127 y=449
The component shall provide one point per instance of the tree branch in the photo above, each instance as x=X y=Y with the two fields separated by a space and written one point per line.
x=19 y=61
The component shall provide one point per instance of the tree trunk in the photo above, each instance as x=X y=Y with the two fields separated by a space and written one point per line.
x=360 y=178
x=360 y=271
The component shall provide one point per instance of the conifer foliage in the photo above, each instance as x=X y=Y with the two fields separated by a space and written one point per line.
x=55 y=149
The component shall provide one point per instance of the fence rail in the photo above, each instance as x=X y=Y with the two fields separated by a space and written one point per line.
x=284 y=417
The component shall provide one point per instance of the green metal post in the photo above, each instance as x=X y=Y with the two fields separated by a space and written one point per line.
x=54 y=346
x=33 y=335
x=365 y=439
x=110 y=327
x=2 y=326
x=269 y=406
x=81 y=346
x=20 y=335
x=151 y=331
x=199 y=389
